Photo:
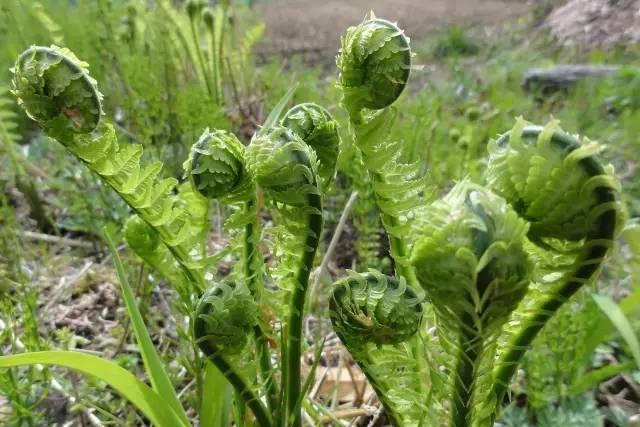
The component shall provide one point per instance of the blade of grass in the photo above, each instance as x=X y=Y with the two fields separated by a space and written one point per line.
x=589 y=380
x=147 y=401
x=152 y=362
x=274 y=115
x=621 y=322
x=216 y=400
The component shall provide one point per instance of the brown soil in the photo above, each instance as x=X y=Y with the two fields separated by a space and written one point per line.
x=312 y=26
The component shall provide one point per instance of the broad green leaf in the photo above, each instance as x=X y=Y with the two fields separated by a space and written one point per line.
x=152 y=362
x=217 y=398
x=147 y=401
x=620 y=321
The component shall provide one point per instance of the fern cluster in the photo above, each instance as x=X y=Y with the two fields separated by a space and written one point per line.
x=483 y=254
x=487 y=264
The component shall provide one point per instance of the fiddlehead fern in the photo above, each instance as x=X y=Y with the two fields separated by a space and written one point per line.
x=145 y=242
x=470 y=260
x=557 y=183
x=284 y=166
x=315 y=126
x=55 y=89
x=376 y=316
x=374 y=63
x=217 y=170
x=225 y=318
x=216 y=167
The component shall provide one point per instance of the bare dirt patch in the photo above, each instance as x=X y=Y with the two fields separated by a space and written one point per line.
x=312 y=26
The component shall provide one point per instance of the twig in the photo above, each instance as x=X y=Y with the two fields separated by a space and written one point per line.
x=62 y=286
x=32 y=235
x=346 y=413
x=334 y=241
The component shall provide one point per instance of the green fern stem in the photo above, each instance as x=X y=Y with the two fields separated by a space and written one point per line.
x=242 y=388
x=294 y=338
x=201 y=63
x=388 y=404
x=215 y=23
x=471 y=349
x=251 y=259
x=397 y=245
x=597 y=244
x=395 y=195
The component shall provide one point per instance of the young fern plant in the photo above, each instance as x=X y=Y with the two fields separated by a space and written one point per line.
x=495 y=261
x=292 y=160
x=293 y=163
x=374 y=63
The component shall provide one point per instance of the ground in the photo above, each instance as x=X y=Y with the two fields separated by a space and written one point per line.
x=312 y=26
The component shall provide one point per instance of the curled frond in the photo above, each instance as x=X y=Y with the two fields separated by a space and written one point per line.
x=550 y=178
x=216 y=166
x=376 y=308
x=374 y=63
x=377 y=317
x=283 y=165
x=193 y=8
x=55 y=89
x=315 y=126
x=224 y=319
x=470 y=258
x=140 y=236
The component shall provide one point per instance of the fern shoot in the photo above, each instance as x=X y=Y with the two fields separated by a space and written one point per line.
x=556 y=182
x=376 y=317
x=225 y=318
x=374 y=63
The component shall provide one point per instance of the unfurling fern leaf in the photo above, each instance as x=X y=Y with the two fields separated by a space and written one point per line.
x=377 y=317
x=315 y=126
x=284 y=166
x=471 y=261
x=216 y=167
x=557 y=183
x=55 y=89
x=374 y=63
x=225 y=318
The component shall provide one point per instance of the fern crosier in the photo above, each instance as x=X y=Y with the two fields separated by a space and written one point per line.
x=224 y=321
x=470 y=259
x=574 y=233
x=55 y=89
x=216 y=167
x=374 y=308
x=377 y=317
x=374 y=63
x=317 y=128
x=284 y=166
x=535 y=169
